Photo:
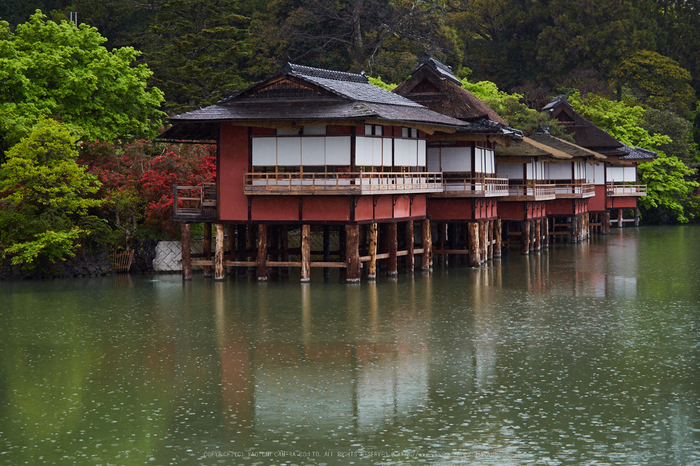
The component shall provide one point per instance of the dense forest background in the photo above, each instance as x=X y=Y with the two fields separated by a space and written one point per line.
x=630 y=66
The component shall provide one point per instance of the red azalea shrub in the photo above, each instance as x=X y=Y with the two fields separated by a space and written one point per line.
x=138 y=179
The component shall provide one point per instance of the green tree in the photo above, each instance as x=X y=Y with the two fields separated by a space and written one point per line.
x=657 y=81
x=666 y=177
x=511 y=108
x=44 y=195
x=60 y=71
x=381 y=37
x=678 y=129
x=590 y=34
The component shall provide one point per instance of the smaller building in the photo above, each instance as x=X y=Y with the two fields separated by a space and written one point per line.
x=616 y=185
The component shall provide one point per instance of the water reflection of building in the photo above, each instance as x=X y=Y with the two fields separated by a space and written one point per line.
x=370 y=374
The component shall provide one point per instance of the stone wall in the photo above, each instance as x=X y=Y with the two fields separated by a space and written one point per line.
x=79 y=266
x=168 y=256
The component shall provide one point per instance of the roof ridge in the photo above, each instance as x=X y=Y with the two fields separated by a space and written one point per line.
x=324 y=73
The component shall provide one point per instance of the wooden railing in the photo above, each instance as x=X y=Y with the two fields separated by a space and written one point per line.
x=534 y=192
x=618 y=188
x=574 y=190
x=296 y=183
x=480 y=186
x=195 y=201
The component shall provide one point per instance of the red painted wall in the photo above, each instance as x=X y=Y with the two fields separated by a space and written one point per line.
x=419 y=206
x=384 y=207
x=597 y=202
x=402 y=207
x=233 y=163
x=274 y=208
x=450 y=209
x=621 y=202
x=364 y=210
x=518 y=210
x=560 y=207
x=326 y=208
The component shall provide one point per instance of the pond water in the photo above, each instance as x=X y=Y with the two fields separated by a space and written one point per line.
x=583 y=354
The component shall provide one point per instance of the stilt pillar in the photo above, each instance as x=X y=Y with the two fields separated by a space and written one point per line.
x=605 y=222
x=498 y=243
x=426 y=258
x=441 y=239
x=352 y=253
x=262 y=252
x=473 y=240
x=538 y=235
x=410 y=259
x=305 y=253
x=392 y=242
x=185 y=241
x=489 y=230
x=620 y=217
x=483 y=241
x=636 y=216
x=372 y=266
x=219 y=252
x=525 y=237
x=206 y=249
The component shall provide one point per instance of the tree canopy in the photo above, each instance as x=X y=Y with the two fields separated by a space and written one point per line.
x=50 y=69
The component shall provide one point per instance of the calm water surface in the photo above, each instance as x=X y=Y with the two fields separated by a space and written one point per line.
x=586 y=354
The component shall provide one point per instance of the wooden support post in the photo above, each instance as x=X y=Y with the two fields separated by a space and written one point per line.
x=372 y=266
x=483 y=240
x=636 y=216
x=409 y=239
x=426 y=257
x=262 y=252
x=525 y=237
x=392 y=241
x=219 y=252
x=489 y=229
x=326 y=250
x=441 y=235
x=498 y=243
x=352 y=253
x=538 y=235
x=206 y=249
x=605 y=223
x=473 y=241
x=185 y=242
x=545 y=226
x=242 y=248
x=305 y=253
x=620 y=217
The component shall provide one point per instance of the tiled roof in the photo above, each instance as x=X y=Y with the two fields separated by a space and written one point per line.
x=544 y=137
x=637 y=153
x=324 y=95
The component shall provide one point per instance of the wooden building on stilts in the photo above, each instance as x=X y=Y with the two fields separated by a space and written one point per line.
x=465 y=214
x=309 y=153
x=616 y=187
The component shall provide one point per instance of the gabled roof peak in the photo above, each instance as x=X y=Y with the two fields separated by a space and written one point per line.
x=556 y=101
x=308 y=71
x=442 y=70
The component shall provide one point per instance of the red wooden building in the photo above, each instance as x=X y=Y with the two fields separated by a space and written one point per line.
x=615 y=180
x=309 y=152
x=465 y=212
